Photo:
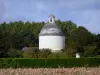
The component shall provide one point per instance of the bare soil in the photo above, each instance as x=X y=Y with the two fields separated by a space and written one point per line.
x=51 y=71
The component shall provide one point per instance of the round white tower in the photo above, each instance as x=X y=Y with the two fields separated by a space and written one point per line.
x=51 y=36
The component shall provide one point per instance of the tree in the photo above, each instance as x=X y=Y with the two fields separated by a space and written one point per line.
x=16 y=35
x=78 y=39
x=24 y=39
x=5 y=40
x=90 y=50
x=15 y=53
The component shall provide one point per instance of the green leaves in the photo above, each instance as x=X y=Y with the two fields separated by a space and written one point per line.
x=48 y=63
x=18 y=34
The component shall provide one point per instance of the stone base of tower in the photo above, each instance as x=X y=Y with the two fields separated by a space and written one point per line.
x=55 y=43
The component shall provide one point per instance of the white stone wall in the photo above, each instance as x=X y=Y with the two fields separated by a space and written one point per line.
x=55 y=43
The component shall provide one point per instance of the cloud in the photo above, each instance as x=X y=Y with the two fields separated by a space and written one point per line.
x=81 y=12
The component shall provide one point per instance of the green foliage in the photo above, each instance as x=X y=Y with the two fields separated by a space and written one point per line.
x=91 y=50
x=16 y=35
x=51 y=63
x=31 y=52
x=70 y=52
x=45 y=53
x=80 y=38
x=15 y=53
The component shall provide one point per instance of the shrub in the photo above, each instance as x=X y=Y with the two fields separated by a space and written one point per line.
x=31 y=52
x=45 y=63
x=45 y=53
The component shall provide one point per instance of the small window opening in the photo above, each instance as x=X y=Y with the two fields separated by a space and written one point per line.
x=50 y=19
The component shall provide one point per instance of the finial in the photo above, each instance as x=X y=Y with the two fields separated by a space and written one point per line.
x=51 y=15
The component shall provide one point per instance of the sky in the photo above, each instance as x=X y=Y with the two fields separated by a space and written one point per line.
x=81 y=12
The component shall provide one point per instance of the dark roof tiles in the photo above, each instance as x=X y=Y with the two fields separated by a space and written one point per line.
x=51 y=29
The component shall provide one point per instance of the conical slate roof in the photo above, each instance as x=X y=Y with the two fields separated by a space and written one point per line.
x=51 y=28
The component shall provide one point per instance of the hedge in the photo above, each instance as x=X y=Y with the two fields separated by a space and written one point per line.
x=48 y=63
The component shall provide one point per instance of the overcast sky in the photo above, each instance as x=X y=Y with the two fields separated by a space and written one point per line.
x=82 y=12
